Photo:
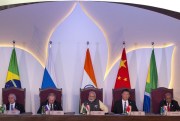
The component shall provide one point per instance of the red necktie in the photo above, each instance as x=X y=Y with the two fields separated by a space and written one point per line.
x=168 y=107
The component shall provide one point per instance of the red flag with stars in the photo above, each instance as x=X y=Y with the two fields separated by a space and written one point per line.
x=122 y=79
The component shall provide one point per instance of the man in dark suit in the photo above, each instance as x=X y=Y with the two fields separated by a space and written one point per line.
x=51 y=104
x=121 y=105
x=13 y=105
x=172 y=105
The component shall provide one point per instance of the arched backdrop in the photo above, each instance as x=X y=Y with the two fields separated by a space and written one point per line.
x=69 y=25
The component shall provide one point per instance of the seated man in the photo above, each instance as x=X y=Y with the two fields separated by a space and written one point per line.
x=171 y=104
x=121 y=105
x=13 y=105
x=51 y=103
x=94 y=104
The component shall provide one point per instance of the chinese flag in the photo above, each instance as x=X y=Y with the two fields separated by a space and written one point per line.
x=122 y=79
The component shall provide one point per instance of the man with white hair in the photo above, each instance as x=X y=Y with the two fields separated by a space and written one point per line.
x=93 y=103
x=51 y=104
x=13 y=105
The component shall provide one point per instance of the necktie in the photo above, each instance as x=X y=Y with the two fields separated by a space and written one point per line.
x=51 y=107
x=11 y=107
x=125 y=107
x=168 y=107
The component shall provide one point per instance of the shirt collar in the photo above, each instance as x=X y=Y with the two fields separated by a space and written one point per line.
x=124 y=100
x=12 y=103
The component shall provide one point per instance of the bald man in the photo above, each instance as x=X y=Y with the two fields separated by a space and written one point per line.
x=13 y=105
x=172 y=105
x=94 y=103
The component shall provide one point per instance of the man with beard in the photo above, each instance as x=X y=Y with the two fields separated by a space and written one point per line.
x=93 y=104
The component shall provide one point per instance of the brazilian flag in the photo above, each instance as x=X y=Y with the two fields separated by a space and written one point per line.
x=13 y=78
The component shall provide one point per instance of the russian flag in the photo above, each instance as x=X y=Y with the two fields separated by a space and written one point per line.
x=49 y=78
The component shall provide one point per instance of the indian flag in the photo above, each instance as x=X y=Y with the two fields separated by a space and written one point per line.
x=88 y=76
x=151 y=83
x=13 y=78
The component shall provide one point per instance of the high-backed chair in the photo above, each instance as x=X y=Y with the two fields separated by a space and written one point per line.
x=43 y=94
x=20 y=95
x=84 y=93
x=157 y=95
x=116 y=95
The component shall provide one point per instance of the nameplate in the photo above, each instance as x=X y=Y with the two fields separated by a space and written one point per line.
x=173 y=113
x=13 y=112
x=54 y=112
x=137 y=113
x=97 y=113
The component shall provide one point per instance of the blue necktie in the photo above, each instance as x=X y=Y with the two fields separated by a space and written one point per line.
x=11 y=107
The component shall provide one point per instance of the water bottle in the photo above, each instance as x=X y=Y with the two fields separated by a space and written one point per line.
x=43 y=110
x=84 y=110
x=161 y=111
x=4 y=108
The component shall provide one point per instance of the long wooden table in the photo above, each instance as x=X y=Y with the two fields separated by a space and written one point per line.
x=87 y=118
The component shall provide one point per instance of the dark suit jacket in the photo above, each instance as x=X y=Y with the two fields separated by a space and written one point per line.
x=57 y=106
x=17 y=106
x=118 y=108
x=174 y=106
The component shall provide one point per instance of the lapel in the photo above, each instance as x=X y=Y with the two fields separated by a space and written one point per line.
x=16 y=106
x=171 y=106
x=130 y=103
x=54 y=105
x=121 y=106
x=8 y=106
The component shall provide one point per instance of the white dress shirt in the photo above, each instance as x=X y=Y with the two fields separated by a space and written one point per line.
x=123 y=102
x=50 y=106
x=13 y=106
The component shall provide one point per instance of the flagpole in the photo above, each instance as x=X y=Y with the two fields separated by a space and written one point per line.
x=124 y=44
x=14 y=43
x=50 y=44
x=152 y=43
x=87 y=43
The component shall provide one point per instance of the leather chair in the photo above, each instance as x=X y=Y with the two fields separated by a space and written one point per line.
x=43 y=94
x=19 y=92
x=157 y=95
x=116 y=95
x=84 y=93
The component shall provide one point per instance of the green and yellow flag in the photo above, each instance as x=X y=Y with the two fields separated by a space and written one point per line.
x=151 y=83
x=13 y=78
